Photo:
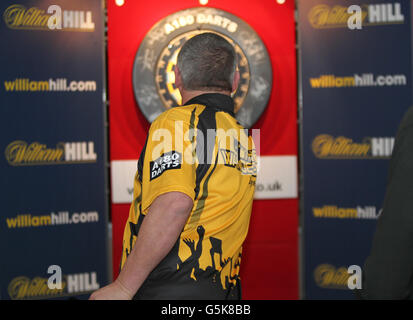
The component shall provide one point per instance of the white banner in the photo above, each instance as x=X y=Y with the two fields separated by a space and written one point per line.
x=123 y=174
x=276 y=179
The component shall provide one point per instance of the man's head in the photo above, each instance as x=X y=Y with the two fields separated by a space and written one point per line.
x=207 y=62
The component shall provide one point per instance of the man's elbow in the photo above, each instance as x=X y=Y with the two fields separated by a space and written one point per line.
x=178 y=203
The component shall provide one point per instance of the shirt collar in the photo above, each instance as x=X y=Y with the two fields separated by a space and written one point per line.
x=218 y=101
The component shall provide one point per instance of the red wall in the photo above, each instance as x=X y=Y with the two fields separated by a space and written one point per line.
x=270 y=258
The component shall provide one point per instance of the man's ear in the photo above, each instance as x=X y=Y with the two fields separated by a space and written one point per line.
x=178 y=78
x=235 y=81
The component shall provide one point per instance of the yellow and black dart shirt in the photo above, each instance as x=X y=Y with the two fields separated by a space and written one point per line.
x=201 y=150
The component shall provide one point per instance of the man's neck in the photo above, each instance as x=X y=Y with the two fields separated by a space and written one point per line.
x=189 y=94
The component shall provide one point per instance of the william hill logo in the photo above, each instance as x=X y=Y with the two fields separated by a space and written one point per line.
x=328 y=147
x=20 y=153
x=329 y=277
x=18 y=16
x=335 y=212
x=325 y=16
x=24 y=288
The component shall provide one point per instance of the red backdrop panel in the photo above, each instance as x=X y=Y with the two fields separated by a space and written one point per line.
x=270 y=260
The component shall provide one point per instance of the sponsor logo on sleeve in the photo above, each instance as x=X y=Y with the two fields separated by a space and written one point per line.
x=167 y=161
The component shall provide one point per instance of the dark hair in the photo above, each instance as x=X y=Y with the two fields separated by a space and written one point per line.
x=207 y=61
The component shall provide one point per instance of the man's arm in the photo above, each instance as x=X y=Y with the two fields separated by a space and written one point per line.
x=158 y=233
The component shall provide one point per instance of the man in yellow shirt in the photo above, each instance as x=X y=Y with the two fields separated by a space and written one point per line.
x=193 y=189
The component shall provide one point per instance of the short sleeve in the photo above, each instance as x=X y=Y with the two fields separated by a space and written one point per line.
x=165 y=167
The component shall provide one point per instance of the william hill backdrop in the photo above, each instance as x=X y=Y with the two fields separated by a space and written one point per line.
x=52 y=164
x=356 y=86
